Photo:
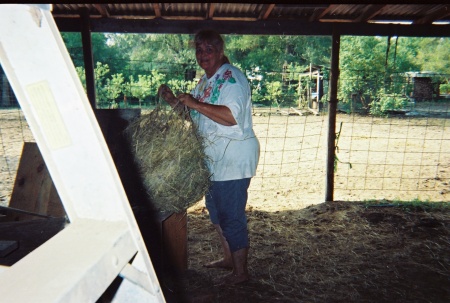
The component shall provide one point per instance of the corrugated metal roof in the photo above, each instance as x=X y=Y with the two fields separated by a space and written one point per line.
x=254 y=11
x=317 y=13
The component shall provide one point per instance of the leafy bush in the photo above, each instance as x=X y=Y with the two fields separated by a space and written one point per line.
x=181 y=86
x=387 y=103
x=257 y=95
x=274 y=92
x=444 y=88
x=101 y=73
x=114 y=87
x=141 y=88
x=145 y=86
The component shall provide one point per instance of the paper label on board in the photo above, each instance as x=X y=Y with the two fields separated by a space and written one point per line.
x=48 y=116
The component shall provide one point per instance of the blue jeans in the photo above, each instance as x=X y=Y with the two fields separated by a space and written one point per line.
x=226 y=201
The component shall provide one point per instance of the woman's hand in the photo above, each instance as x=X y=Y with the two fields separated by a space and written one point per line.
x=167 y=95
x=188 y=100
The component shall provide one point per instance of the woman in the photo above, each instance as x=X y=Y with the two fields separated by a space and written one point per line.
x=220 y=107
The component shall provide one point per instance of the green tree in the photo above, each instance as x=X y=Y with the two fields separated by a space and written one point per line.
x=82 y=75
x=145 y=86
x=156 y=80
x=140 y=88
x=169 y=54
x=370 y=67
x=114 y=87
x=434 y=55
x=274 y=92
x=101 y=73
x=270 y=53
x=103 y=85
x=363 y=69
x=102 y=51
x=181 y=86
x=405 y=58
x=74 y=47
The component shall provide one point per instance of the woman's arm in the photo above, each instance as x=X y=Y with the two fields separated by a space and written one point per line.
x=218 y=113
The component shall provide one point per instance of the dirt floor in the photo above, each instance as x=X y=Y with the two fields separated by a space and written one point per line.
x=329 y=252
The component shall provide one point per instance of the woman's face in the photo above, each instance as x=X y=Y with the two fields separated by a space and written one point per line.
x=208 y=57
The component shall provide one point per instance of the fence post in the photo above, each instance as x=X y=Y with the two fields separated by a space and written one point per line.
x=332 y=106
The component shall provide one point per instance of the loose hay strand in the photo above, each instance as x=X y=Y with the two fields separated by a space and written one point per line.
x=170 y=156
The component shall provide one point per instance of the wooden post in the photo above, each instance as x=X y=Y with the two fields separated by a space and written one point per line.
x=318 y=87
x=174 y=235
x=88 y=57
x=300 y=99
x=332 y=107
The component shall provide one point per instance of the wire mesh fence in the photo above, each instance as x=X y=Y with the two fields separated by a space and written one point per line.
x=404 y=156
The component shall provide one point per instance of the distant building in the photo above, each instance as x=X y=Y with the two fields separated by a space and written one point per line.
x=312 y=90
x=423 y=87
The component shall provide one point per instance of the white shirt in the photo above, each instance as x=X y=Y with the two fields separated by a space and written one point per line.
x=232 y=151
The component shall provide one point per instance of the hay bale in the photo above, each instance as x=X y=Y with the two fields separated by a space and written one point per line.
x=170 y=157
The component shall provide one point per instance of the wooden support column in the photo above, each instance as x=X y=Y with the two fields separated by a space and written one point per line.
x=332 y=107
x=87 y=55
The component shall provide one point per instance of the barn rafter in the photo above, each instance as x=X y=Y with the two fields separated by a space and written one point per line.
x=404 y=18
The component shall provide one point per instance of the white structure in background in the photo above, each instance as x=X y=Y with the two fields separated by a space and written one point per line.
x=80 y=262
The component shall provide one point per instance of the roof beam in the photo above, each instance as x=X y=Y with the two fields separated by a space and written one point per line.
x=317 y=14
x=157 y=9
x=429 y=18
x=325 y=11
x=258 y=27
x=103 y=10
x=266 y=11
x=369 y=12
x=211 y=9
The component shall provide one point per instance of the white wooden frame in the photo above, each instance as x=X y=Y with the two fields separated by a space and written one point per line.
x=80 y=262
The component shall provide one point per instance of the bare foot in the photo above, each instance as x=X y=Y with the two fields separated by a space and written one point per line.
x=233 y=279
x=224 y=264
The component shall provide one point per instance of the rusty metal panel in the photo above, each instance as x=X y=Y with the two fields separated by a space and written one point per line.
x=252 y=11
